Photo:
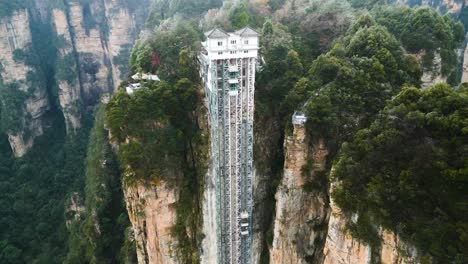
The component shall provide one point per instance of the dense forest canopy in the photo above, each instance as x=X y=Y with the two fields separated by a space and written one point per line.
x=424 y=30
x=407 y=171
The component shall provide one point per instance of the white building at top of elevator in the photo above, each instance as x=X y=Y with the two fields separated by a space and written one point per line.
x=220 y=45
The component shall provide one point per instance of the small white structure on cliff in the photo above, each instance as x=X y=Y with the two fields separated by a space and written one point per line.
x=147 y=77
x=299 y=118
x=132 y=88
x=138 y=77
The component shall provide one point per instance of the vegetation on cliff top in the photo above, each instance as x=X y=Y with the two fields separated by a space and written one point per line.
x=345 y=89
x=424 y=30
x=408 y=173
x=353 y=81
x=157 y=127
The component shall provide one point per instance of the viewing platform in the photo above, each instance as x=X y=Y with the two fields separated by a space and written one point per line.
x=131 y=88
x=299 y=118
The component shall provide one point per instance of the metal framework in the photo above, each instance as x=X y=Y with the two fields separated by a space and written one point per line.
x=229 y=88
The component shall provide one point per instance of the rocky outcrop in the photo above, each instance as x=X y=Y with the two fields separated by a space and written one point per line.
x=432 y=75
x=301 y=215
x=93 y=44
x=29 y=100
x=100 y=46
x=342 y=248
x=152 y=213
x=464 y=57
x=69 y=88
x=95 y=68
x=308 y=228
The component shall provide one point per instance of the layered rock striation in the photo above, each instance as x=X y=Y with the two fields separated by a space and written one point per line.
x=342 y=248
x=308 y=228
x=301 y=214
x=152 y=213
x=23 y=101
x=92 y=42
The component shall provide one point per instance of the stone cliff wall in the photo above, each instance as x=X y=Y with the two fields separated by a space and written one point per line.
x=432 y=76
x=310 y=229
x=151 y=209
x=69 y=90
x=98 y=46
x=342 y=248
x=464 y=58
x=209 y=248
x=93 y=43
x=301 y=215
x=15 y=35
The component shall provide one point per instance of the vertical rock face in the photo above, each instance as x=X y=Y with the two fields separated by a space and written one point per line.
x=434 y=76
x=122 y=34
x=465 y=63
x=259 y=197
x=151 y=209
x=267 y=134
x=30 y=101
x=95 y=69
x=104 y=44
x=310 y=229
x=300 y=214
x=342 y=248
x=93 y=44
x=69 y=88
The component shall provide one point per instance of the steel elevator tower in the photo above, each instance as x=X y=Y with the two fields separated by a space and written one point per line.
x=227 y=68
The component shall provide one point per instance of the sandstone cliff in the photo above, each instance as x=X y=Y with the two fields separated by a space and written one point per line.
x=432 y=75
x=151 y=209
x=100 y=36
x=464 y=58
x=301 y=214
x=69 y=90
x=209 y=248
x=342 y=248
x=310 y=229
x=92 y=43
x=23 y=103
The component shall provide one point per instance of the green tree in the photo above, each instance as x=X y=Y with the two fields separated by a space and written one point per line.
x=141 y=58
x=267 y=28
x=238 y=16
x=296 y=97
x=295 y=69
x=10 y=255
